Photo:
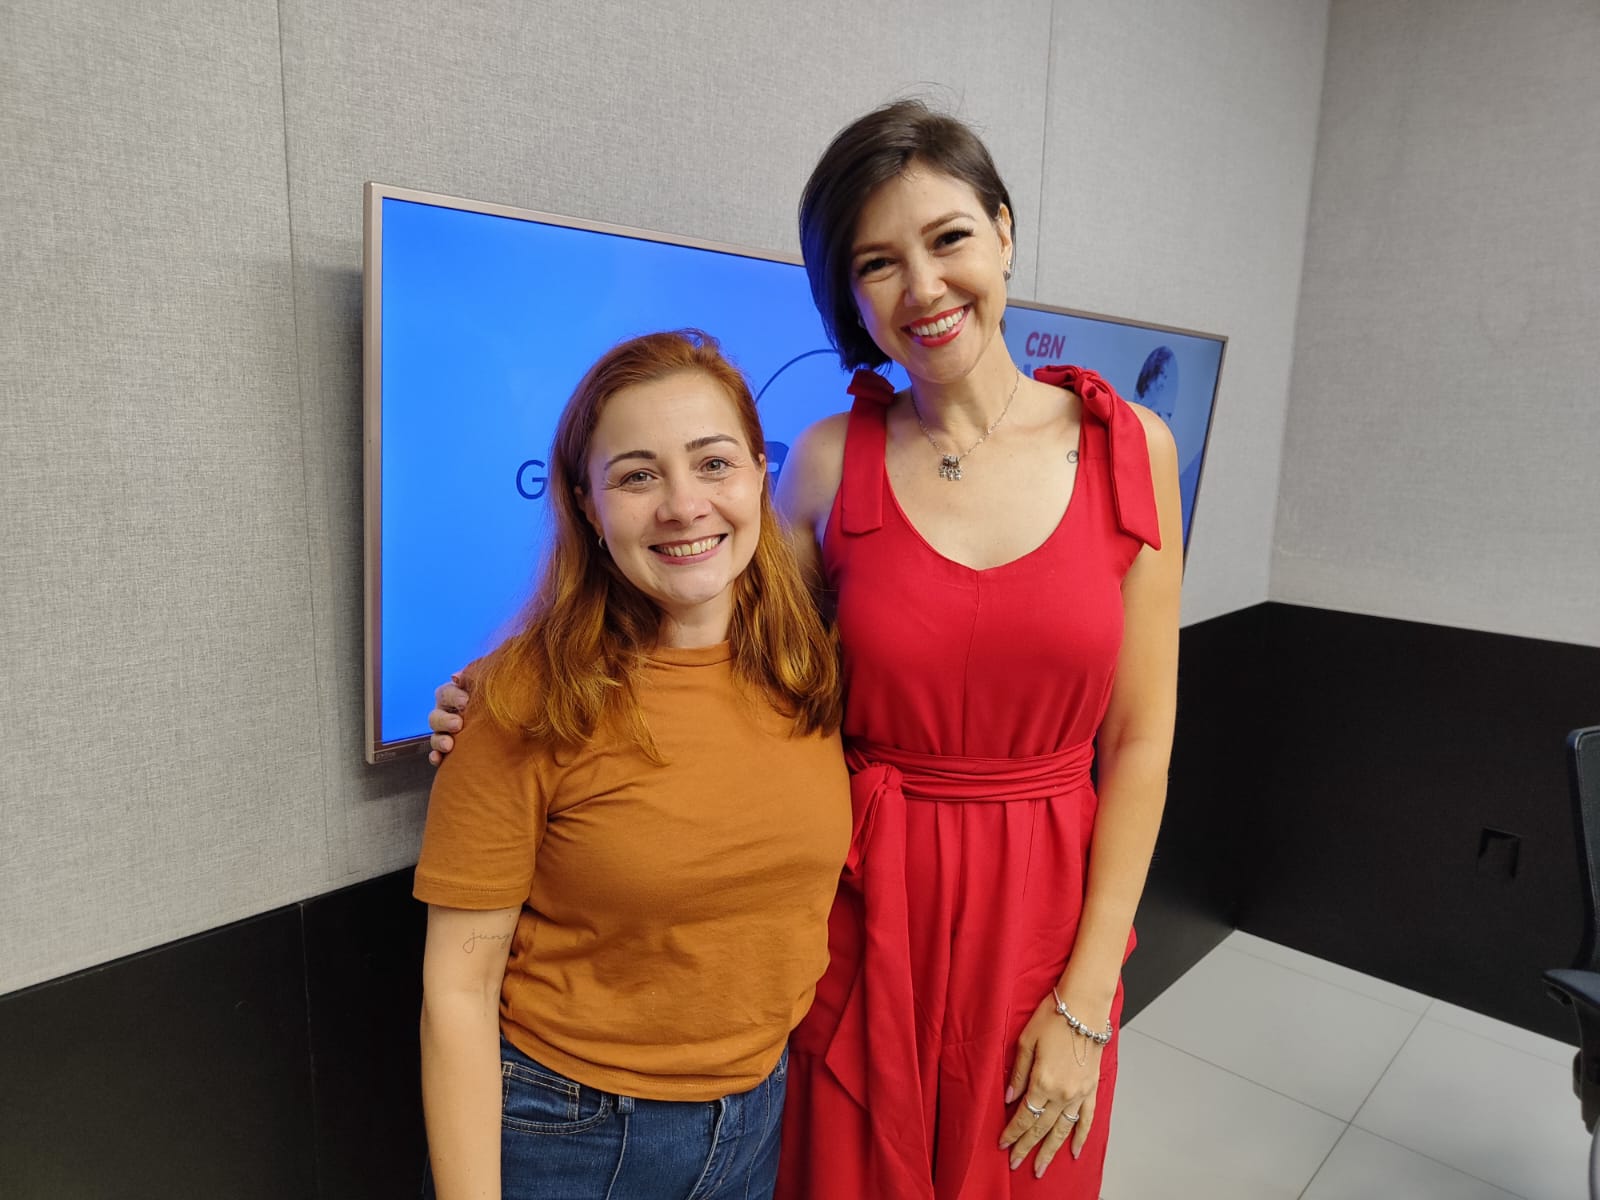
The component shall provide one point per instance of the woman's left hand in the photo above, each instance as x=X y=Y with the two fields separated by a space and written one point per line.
x=1058 y=1071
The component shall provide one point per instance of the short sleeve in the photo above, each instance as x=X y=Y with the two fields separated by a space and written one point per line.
x=486 y=818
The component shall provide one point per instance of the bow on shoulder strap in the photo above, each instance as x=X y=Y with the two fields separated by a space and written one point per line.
x=1131 y=489
x=869 y=385
x=863 y=473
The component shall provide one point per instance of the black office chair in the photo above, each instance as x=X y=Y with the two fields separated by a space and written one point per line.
x=1579 y=986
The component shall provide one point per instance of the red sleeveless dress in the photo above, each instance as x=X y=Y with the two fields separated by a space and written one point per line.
x=973 y=698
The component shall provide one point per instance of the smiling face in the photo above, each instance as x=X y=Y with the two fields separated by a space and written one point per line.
x=675 y=490
x=928 y=269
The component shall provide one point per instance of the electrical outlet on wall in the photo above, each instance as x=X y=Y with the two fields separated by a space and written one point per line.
x=1498 y=853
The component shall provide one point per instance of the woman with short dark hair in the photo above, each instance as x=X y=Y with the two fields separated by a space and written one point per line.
x=1004 y=557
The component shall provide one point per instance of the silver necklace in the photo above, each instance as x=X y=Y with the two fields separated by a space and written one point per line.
x=950 y=464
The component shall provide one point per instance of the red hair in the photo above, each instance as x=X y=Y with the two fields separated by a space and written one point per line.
x=583 y=638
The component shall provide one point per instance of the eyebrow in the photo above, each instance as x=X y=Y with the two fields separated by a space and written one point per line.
x=699 y=443
x=957 y=214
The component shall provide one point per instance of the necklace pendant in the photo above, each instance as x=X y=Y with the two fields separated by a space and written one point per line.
x=950 y=468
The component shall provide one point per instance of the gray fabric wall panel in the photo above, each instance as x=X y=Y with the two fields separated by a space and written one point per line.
x=699 y=119
x=162 y=778
x=1180 y=151
x=181 y=434
x=1440 y=458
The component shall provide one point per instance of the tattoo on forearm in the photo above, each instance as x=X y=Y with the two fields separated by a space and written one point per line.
x=471 y=943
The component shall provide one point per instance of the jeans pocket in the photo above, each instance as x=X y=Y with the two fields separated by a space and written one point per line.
x=535 y=1099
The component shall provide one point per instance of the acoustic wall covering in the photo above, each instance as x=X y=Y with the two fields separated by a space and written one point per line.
x=1440 y=458
x=180 y=435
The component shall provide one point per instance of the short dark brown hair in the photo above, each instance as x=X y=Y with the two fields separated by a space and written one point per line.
x=866 y=153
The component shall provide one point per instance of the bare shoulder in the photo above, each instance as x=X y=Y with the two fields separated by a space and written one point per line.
x=823 y=440
x=812 y=471
x=1157 y=436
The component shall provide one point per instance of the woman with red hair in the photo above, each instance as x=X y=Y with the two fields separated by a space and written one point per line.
x=629 y=857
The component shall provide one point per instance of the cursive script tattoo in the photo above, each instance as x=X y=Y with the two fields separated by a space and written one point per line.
x=471 y=943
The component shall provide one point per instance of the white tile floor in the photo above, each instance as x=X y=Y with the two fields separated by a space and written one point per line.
x=1265 y=1073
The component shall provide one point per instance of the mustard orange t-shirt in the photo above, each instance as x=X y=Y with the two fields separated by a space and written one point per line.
x=674 y=914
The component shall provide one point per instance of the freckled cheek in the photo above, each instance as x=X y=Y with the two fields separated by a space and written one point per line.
x=626 y=516
x=734 y=487
x=740 y=496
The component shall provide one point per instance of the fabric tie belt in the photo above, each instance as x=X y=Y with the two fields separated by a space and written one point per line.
x=873 y=1051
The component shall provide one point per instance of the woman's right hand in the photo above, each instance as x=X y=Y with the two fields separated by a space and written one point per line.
x=450 y=701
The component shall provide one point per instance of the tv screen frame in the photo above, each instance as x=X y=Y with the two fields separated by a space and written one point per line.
x=1028 y=330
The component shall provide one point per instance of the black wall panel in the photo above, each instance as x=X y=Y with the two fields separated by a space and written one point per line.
x=1412 y=818
x=274 y=1058
x=183 y=1071
x=364 y=994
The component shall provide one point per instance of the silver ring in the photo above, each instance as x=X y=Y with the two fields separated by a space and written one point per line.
x=1073 y=1117
x=1037 y=1112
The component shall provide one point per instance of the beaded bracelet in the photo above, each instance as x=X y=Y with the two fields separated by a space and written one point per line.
x=1099 y=1039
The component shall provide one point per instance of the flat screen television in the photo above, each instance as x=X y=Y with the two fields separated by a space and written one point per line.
x=479 y=320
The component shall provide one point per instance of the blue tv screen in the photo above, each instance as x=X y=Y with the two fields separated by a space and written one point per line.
x=480 y=320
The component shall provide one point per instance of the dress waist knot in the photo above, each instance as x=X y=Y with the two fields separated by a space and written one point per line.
x=964 y=777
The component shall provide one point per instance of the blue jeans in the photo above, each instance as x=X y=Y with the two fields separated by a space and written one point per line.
x=561 y=1140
